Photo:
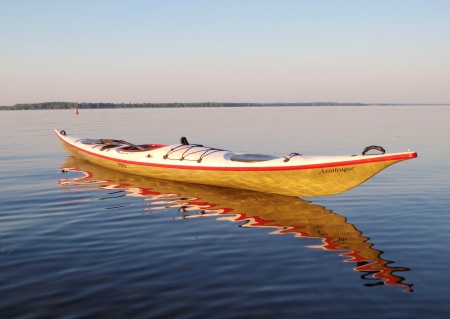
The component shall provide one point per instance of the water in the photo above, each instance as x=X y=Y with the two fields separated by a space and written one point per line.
x=79 y=241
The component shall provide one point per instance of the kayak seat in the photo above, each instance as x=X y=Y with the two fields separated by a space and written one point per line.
x=249 y=158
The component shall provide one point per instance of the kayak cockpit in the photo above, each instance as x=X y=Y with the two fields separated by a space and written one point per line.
x=140 y=148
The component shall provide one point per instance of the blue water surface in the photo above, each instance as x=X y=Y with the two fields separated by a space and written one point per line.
x=79 y=241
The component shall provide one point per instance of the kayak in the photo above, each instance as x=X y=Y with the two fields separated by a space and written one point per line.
x=292 y=175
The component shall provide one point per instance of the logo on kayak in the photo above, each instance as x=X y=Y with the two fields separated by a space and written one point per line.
x=337 y=170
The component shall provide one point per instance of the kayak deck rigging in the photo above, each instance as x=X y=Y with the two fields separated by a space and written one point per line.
x=191 y=149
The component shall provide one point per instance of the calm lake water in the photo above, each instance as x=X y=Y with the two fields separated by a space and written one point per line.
x=80 y=241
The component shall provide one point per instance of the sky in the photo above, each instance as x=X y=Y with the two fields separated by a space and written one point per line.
x=262 y=51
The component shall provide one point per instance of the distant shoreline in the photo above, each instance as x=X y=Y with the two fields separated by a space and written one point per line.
x=72 y=105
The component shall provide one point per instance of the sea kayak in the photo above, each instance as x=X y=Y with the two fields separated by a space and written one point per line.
x=291 y=175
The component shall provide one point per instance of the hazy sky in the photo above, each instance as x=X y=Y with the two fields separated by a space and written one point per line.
x=225 y=51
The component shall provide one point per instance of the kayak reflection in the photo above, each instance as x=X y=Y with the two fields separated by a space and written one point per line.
x=283 y=214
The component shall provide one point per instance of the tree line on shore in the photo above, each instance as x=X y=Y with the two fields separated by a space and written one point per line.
x=71 y=105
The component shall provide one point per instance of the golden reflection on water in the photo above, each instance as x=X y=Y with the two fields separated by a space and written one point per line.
x=282 y=214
